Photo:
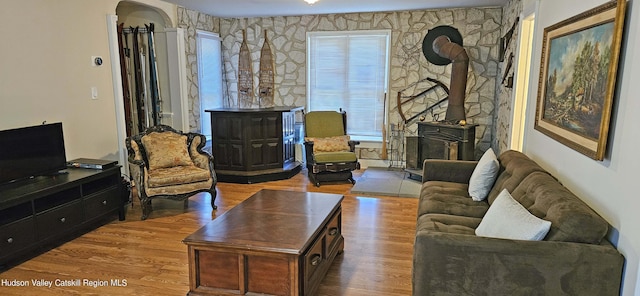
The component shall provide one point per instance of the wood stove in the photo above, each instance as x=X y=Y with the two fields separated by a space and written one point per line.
x=441 y=140
x=448 y=139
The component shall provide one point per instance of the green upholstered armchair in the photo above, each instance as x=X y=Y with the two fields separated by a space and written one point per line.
x=329 y=151
x=167 y=163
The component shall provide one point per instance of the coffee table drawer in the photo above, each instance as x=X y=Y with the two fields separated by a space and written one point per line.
x=334 y=231
x=314 y=257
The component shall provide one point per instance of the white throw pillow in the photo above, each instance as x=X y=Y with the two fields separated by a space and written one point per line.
x=483 y=176
x=507 y=218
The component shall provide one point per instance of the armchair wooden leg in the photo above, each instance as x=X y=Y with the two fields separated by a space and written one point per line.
x=314 y=180
x=213 y=193
x=145 y=204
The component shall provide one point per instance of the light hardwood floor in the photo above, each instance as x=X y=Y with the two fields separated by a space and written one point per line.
x=150 y=256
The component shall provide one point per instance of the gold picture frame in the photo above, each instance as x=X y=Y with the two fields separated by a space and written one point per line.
x=578 y=72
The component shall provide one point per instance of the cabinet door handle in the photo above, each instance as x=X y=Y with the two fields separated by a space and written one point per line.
x=333 y=231
x=63 y=219
x=315 y=259
x=104 y=202
x=10 y=240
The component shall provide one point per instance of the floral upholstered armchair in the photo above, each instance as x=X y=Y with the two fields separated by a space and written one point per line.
x=329 y=151
x=167 y=163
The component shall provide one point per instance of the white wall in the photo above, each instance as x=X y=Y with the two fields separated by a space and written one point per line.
x=46 y=72
x=607 y=186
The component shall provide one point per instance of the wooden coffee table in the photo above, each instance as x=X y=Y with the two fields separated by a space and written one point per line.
x=274 y=243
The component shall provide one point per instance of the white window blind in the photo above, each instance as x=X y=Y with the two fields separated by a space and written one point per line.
x=209 y=76
x=349 y=70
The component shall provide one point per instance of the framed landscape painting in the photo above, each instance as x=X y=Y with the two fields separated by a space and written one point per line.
x=578 y=76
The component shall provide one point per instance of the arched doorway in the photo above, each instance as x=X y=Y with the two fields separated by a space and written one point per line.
x=144 y=67
x=171 y=61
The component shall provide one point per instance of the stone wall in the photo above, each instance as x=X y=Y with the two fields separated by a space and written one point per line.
x=191 y=21
x=504 y=93
x=480 y=28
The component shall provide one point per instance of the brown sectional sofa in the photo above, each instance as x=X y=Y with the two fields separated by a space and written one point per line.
x=450 y=259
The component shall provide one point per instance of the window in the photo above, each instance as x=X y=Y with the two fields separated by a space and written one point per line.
x=349 y=70
x=209 y=77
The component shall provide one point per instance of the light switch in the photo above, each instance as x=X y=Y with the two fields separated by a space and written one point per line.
x=94 y=92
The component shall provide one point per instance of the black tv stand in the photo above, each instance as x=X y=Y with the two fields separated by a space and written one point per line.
x=47 y=209
x=61 y=172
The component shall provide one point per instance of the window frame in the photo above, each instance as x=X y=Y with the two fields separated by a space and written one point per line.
x=201 y=34
x=356 y=33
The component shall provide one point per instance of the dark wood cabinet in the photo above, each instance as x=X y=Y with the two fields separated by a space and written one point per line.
x=47 y=209
x=254 y=145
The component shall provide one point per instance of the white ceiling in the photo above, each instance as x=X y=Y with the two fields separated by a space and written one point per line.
x=262 y=8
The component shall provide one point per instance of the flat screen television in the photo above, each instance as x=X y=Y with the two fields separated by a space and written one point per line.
x=31 y=151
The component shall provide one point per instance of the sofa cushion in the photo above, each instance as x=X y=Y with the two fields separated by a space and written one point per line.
x=335 y=157
x=447 y=223
x=458 y=171
x=330 y=144
x=166 y=150
x=571 y=219
x=514 y=167
x=176 y=175
x=483 y=176
x=439 y=197
x=322 y=124
x=507 y=218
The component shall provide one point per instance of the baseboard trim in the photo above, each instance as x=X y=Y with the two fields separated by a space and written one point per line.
x=382 y=163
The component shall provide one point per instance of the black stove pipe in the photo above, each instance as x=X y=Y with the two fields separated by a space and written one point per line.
x=458 y=85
